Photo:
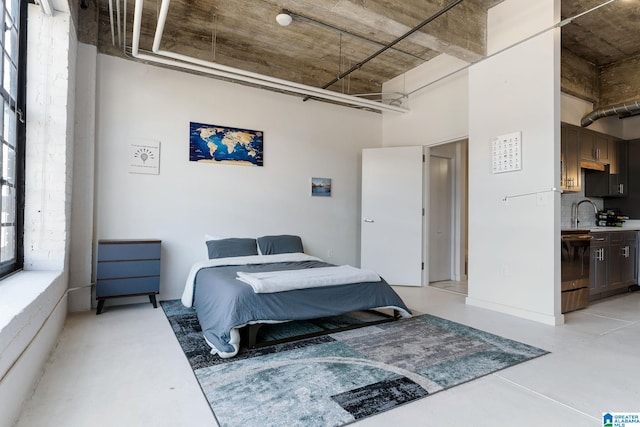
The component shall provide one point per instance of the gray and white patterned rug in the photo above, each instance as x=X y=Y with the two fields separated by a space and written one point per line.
x=338 y=378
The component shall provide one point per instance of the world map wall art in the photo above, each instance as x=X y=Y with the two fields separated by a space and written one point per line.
x=220 y=144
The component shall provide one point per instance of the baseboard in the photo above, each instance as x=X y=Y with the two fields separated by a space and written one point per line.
x=514 y=311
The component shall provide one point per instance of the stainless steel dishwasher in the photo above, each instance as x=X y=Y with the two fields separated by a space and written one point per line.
x=575 y=248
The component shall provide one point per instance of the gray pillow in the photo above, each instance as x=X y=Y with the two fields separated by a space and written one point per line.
x=282 y=244
x=231 y=247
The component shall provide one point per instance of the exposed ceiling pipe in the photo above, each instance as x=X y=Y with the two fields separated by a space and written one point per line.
x=301 y=89
x=621 y=110
x=194 y=64
x=113 y=33
x=330 y=27
x=118 y=21
x=393 y=43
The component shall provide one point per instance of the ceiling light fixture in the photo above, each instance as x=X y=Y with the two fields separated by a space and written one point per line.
x=215 y=69
x=284 y=18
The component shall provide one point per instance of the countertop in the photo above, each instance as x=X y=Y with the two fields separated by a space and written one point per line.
x=623 y=228
x=630 y=225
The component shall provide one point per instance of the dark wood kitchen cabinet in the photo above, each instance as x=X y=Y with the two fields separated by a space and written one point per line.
x=598 y=155
x=618 y=170
x=623 y=255
x=598 y=264
x=594 y=146
x=628 y=205
x=570 y=176
x=614 y=263
x=612 y=182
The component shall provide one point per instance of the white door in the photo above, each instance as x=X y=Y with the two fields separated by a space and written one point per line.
x=440 y=218
x=392 y=193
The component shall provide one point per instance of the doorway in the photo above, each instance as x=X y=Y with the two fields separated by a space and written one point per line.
x=447 y=223
x=440 y=218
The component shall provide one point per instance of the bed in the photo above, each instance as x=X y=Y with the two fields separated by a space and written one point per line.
x=270 y=279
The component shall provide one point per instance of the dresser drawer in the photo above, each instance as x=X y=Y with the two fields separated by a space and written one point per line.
x=132 y=286
x=128 y=251
x=127 y=268
x=124 y=269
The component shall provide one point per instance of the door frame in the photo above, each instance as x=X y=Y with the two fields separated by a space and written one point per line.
x=447 y=195
x=459 y=230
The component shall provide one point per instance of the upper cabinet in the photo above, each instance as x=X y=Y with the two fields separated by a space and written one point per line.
x=595 y=147
x=629 y=205
x=603 y=158
x=618 y=170
x=612 y=182
x=570 y=177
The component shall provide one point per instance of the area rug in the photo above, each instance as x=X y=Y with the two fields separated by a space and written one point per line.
x=338 y=378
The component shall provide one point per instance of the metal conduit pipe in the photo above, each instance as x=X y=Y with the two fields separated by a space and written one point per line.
x=113 y=34
x=193 y=64
x=212 y=68
x=621 y=110
x=393 y=43
x=320 y=24
x=118 y=22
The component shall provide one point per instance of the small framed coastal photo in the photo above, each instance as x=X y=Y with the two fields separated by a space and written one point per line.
x=321 y=187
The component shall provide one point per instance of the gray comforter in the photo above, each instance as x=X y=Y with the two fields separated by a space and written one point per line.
x=224 y=304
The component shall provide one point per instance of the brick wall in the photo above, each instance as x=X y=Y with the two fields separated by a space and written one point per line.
x=50 y=105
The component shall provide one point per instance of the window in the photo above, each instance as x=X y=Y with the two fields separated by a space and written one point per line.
x=12 y=133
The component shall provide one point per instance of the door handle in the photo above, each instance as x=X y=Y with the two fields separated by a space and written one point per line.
x=625 y=252
x=368 y=220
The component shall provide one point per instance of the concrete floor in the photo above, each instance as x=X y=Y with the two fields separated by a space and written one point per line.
x=125 y=368
x=452 y=286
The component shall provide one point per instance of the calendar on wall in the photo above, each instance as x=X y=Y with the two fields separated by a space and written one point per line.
x=506 y=152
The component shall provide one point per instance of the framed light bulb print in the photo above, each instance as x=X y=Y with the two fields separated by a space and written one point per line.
x=144 y=157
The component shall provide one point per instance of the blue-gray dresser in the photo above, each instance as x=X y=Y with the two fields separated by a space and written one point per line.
x=127 y=268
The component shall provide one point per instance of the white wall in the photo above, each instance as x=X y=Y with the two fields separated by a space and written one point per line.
x=80 y=262
x=573 y=109
x=514 y=263
x=188 y=199
x=438 y=113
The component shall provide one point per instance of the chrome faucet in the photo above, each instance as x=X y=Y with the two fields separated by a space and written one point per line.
x=574 y=211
